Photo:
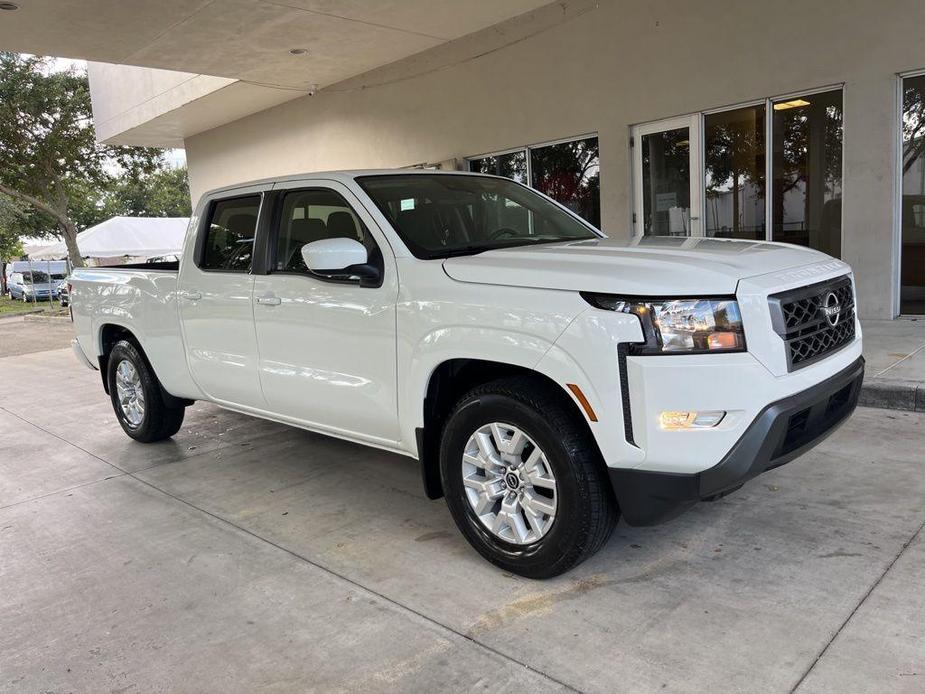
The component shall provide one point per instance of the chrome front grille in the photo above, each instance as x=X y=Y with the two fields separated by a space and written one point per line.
x=814 y=321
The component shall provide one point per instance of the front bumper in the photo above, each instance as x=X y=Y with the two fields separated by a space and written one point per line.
x=779 y=433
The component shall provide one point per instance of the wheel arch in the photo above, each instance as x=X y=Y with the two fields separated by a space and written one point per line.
x=452 y=379
x=110 y=334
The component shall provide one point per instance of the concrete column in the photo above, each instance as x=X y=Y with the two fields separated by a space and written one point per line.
x=871 y=122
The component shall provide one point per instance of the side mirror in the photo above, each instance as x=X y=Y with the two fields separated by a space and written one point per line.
x=331 y=255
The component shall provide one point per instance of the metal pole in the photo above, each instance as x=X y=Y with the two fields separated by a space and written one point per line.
x=51 y=291
x=32 y=280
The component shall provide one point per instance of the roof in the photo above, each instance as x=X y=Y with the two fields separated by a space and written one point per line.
x=341 y=176
x=119 y=236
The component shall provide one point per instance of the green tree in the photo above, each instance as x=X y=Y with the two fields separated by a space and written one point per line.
x=49 y=157
x=161 y=193
x=12 y=216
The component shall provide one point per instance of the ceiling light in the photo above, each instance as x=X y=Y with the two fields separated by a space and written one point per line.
x=298 y=51
x=795 y=103
x=8 y=6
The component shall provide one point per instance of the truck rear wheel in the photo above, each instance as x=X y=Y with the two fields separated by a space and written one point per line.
x=136 y=396
x=523 y=481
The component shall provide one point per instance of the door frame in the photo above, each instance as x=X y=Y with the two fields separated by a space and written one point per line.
x=694 y=123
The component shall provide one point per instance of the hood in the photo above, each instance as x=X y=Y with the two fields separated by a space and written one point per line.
x=651 y=265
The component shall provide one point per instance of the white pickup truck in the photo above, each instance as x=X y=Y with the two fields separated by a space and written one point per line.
x=548 y=379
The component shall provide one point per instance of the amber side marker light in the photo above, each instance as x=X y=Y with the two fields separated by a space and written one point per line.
x=583 y=401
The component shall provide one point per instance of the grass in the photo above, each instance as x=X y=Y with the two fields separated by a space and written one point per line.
x=9 y=307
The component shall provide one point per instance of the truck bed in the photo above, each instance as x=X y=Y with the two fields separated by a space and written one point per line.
x=140 y=299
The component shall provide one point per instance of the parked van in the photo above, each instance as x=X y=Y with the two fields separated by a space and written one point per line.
x=57 y=269
x=31 y=286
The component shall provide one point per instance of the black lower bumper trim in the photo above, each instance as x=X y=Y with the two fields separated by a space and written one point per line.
x=781 y=432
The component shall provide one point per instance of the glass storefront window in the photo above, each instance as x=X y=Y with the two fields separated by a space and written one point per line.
x=806 y=171
x=734 y=173
x=912 y=272
x=512 y=165
x=569 y=173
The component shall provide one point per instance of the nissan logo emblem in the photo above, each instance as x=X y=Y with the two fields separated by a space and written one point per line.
x=831 y=309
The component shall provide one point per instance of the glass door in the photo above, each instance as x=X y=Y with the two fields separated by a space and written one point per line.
x=912 y=212
x=667 y=177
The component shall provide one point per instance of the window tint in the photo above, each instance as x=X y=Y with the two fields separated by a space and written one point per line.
x=229 y=243
x=313 y=215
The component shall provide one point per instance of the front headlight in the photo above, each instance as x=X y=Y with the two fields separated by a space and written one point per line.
x=686 y=326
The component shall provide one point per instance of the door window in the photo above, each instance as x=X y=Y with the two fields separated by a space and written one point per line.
x=667 y=176
x=229 y=242
x=666 y=182
x=314 y=215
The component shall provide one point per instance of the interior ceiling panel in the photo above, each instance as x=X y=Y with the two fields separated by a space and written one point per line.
x=249 y=39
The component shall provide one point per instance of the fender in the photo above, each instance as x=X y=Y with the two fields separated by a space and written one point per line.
x=459 y=342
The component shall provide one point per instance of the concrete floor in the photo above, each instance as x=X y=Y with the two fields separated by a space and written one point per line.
x=895 y=349
x=243 y=555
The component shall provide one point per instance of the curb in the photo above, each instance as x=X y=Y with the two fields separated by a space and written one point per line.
x=35 y=318
x=893 y=395
x=20 y=314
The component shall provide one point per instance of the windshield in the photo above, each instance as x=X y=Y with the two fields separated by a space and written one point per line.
x=441 y=215
x=35 y=277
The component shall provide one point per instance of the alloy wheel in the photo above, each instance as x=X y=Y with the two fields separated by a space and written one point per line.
x=130 y=393
x=509 y=483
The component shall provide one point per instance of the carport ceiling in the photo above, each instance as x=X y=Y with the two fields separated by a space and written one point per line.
x=249 y=40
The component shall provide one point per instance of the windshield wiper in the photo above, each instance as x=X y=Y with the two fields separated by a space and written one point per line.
x=475 y=249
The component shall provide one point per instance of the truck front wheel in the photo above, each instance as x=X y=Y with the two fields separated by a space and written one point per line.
x=523 y=479
x=136 y=396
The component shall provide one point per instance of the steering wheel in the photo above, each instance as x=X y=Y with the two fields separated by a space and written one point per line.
x=504 y=232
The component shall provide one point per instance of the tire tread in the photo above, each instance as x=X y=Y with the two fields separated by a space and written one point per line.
x=587 y=463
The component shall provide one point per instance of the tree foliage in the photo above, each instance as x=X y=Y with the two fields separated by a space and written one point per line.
x=49 y=157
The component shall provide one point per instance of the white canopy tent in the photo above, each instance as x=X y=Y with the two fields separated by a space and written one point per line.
x=142 y=237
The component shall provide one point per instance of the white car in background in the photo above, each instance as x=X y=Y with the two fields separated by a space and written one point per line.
x=548 y=379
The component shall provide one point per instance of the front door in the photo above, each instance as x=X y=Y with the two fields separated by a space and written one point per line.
x=216 y=309
x=327 y=343
x=667 y=178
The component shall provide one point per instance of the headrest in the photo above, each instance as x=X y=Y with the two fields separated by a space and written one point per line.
x=341 y=224
x=307 y=230
x=242 y=224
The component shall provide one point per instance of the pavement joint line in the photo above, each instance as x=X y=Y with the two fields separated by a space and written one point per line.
x=61 y=491
x=311 y=562
x=900 y=361
x=850 y=616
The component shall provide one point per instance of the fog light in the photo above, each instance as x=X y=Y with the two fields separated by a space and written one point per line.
x=672 y=419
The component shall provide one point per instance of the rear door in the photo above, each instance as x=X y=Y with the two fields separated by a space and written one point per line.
x=327 y=345
x=215 y=289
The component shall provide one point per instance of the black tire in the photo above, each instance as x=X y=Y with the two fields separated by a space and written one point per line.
x=586 y=507
x=159 y=421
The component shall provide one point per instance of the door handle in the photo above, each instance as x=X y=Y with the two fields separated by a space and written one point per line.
x=269 y=300
x=192 y=296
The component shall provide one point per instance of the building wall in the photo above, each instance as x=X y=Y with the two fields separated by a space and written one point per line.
x=601 y=67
